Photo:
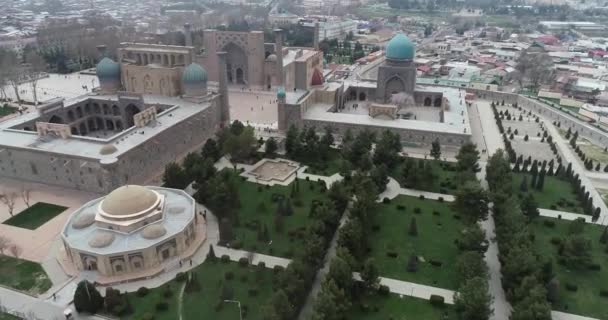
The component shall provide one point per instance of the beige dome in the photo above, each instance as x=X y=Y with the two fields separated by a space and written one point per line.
x=83 y=221
x=154 y=231
x=129 y=199
x=101 y=239
x=272 y=57
x=107 y=149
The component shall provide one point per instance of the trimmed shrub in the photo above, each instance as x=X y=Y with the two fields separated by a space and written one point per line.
x=549 y=223
x=236 y=244
x=228 y=275
x=421 y=197
x=556 y=241
x=436 y=213
x=604 y=293
x=168 y=293
x=571 y=287
x=435 y=263
x=392 y=254
x=383 y=290
x=243 y=262
x=594 y=267
x=262 y=265
x=440 y=199
x=142 y=292
x=417 y=210
x=277 y=269
x=180 y=277
x=162 y=306
x=386 y=200
x=225 y=258
x=437 y=301
x=252 y=292
x=400 y=207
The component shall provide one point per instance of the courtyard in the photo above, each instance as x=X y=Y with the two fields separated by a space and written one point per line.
x=35 y=216
x=23 y=275
x=391 y=245
x=250 y=285
x=393 y=306
x=580 y=289
x=258 y=211
x=557 y=193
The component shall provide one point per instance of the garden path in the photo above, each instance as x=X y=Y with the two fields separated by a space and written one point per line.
x=413 y=289
x=329 y=180
x=393 y=189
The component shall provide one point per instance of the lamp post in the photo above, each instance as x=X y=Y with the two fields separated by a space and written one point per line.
x=239 y=304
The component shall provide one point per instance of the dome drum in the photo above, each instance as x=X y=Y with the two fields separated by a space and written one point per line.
x=194 y=81
x=129 y=203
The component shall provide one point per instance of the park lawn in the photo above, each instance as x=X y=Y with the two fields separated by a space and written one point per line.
x=35 y=216
x=201 y=304
x=5 y=110
x=594 y=153
x=444 y=172
x=326 y=168
x=586 y=300
x=257 y=208
x=23 y=275
x=435 y=241
x=557 y=194
x=395 y=307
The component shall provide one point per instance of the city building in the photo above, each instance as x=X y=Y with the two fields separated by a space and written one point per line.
x=133 y=230
x=383 y=95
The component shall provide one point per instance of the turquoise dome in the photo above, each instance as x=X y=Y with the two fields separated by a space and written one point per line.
x=108 y=69
x=281 y=93
x=194 y=74
x=400 y=48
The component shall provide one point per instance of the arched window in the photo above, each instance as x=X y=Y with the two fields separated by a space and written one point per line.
x=437 y=102
x=427 y=102
x=115 y=110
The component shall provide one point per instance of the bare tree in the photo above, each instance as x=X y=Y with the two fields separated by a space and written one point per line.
x=534 y=67
x=16 y=250
x=26 y=195
x=9 y=200
x=4 y=243
x=36 y=66
x=12 y=72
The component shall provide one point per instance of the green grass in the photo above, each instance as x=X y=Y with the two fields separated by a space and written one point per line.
x=556 y=192
x=595 y=153
x=394 y=307
x=23 y=275
x=35 y=216
x=8 y=316
x=586 y=300
x=444 y=180
x=6 y=110
x=257 y=208
x=201 y=305
x=326 y=168
x=433 y=242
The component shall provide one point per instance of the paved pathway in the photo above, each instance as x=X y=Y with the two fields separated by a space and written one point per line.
x=564 y=215
x=329 y=180
x=393 y=189
x=308 y=308
x=413 y=289
x=556 y=315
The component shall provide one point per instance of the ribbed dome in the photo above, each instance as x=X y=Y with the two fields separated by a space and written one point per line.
x=108 y=69
x=194 y=74
x=129 y=199
x=400 y=48
x=154 y=231
x=83 y=221
x=107 y=149
x=101 y=239
x=281 y=93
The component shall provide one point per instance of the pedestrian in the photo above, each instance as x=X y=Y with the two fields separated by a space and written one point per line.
x=180 y=263
x=54 y=296
x=191 y=262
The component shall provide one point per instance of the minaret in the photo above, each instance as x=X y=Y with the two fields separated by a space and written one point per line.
x=315 y=42
x=281 y=111
x=278 y=47
x=188 y=34
x=223 y=89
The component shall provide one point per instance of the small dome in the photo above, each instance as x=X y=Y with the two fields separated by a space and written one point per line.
x=154 y=231
x=194 y=74
x=281 y=93
x=317 y=78
x=101 y=239
x=129 y=199
x=108 y=69
x=272 y=57
x=107 y=149
x=84 y=220
x=400 y=48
